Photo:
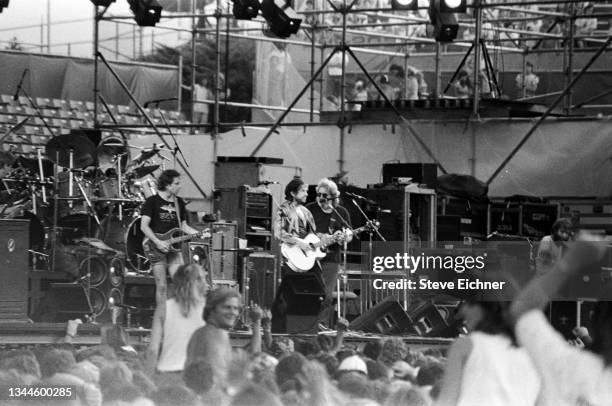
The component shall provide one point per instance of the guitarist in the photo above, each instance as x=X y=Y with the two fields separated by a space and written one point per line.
x=331 y=219
x=293 y=222
x=161 y=213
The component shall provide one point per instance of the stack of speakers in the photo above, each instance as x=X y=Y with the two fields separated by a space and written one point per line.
x=103 y=281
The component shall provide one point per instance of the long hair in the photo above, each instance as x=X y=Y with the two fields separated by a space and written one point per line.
x=217 y=296
x=189 y=287
x=495 y=318
x=166 y=178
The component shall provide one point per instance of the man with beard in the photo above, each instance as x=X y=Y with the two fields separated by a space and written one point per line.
x=331 y=219
x=552 y=246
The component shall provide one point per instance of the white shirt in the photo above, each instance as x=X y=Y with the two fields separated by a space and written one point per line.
x=570 y=376
x=177 y=332
x=497 y=373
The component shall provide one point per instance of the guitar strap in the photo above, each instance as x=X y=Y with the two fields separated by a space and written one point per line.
x=177 y=207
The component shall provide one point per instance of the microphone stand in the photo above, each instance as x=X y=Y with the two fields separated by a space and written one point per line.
x=36 y=108
x=176 y=146
x=342 y=275
x=374 y=227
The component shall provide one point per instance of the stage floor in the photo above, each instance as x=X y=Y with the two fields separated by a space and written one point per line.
x=13 y=334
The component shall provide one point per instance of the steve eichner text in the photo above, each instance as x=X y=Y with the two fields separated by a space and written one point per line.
x=412 y=263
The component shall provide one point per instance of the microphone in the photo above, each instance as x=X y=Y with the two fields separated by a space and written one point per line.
x=16 y=95
x=365 y=199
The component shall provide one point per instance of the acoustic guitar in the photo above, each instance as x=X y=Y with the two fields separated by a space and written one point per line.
x=302 y=261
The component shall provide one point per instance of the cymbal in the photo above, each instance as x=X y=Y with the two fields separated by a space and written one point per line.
x=59 y=148
x=109 y=150
x=145 y=154
x=143 y=171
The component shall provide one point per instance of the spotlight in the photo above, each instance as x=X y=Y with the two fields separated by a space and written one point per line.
x=3 y=3
x=146 y=12
x=282 y=19
x=245 y=9
x=453 y=6
x=445 y=23
x=102 y=3
x=404 y=4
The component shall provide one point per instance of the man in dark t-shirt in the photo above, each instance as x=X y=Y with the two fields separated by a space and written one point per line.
x=330 y=219
x=159 y=215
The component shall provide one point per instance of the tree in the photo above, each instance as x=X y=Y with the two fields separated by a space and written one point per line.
x=238 y=72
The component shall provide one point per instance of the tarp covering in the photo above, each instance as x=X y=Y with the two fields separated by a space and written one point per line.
x=72 y=78
x=562 y=158
x=276 y=83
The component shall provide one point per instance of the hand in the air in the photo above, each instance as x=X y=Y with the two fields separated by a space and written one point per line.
x=256 y=313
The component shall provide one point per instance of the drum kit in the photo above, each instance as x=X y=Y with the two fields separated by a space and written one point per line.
x=81 y=193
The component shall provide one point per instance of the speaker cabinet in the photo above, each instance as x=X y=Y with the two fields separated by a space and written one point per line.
x=105 y=277
x=387 y=317
x=261 y=278
x=65 y=301
x=419 y=172
x=14 y=269
x=224 y=258
x=297 y=304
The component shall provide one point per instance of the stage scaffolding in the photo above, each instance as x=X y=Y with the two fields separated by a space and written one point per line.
x=565 y=16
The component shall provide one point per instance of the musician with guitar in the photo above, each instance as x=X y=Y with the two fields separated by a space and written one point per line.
x=161 y=215
x=293 y=224
x=332 y=221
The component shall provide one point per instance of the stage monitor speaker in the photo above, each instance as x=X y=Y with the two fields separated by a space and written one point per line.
x=14 y=269
x=297 y=304
x=261 y=274
x=419 y=172
x=427 y=321
x=387 y=317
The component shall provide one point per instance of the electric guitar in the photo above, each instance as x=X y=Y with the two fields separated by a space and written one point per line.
x=175 y=238
x=302 y=261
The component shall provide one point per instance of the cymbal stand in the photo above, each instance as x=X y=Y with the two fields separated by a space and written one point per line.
x=89 y=205
x=70 y=176
x=342 y=275
x=41 y=175
x=119 y=183
x=373 y=228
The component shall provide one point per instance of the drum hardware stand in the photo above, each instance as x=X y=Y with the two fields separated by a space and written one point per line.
x=41 y=176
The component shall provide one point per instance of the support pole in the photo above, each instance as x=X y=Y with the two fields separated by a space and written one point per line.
x=96 y=90
x=293 y=103
x=437 y=75
x=194 y=37
x=149 y=121
x=570 y=57
x=397 y=112
x=312 y=70
x=179 y=91
x=550 y=109
x=476 y=82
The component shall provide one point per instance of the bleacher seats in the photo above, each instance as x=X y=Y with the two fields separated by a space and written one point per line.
x=65 y=115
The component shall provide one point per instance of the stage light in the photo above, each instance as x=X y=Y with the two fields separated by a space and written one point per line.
x=147 y=13
x=102 y=3
x=245 y=9
x=282 y=19
x=445 y=23
x=404 y=4
x=453 y=6
x=3 y=3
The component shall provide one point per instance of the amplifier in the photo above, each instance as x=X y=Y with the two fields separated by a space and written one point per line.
x=14 y=269
x=258 y=204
